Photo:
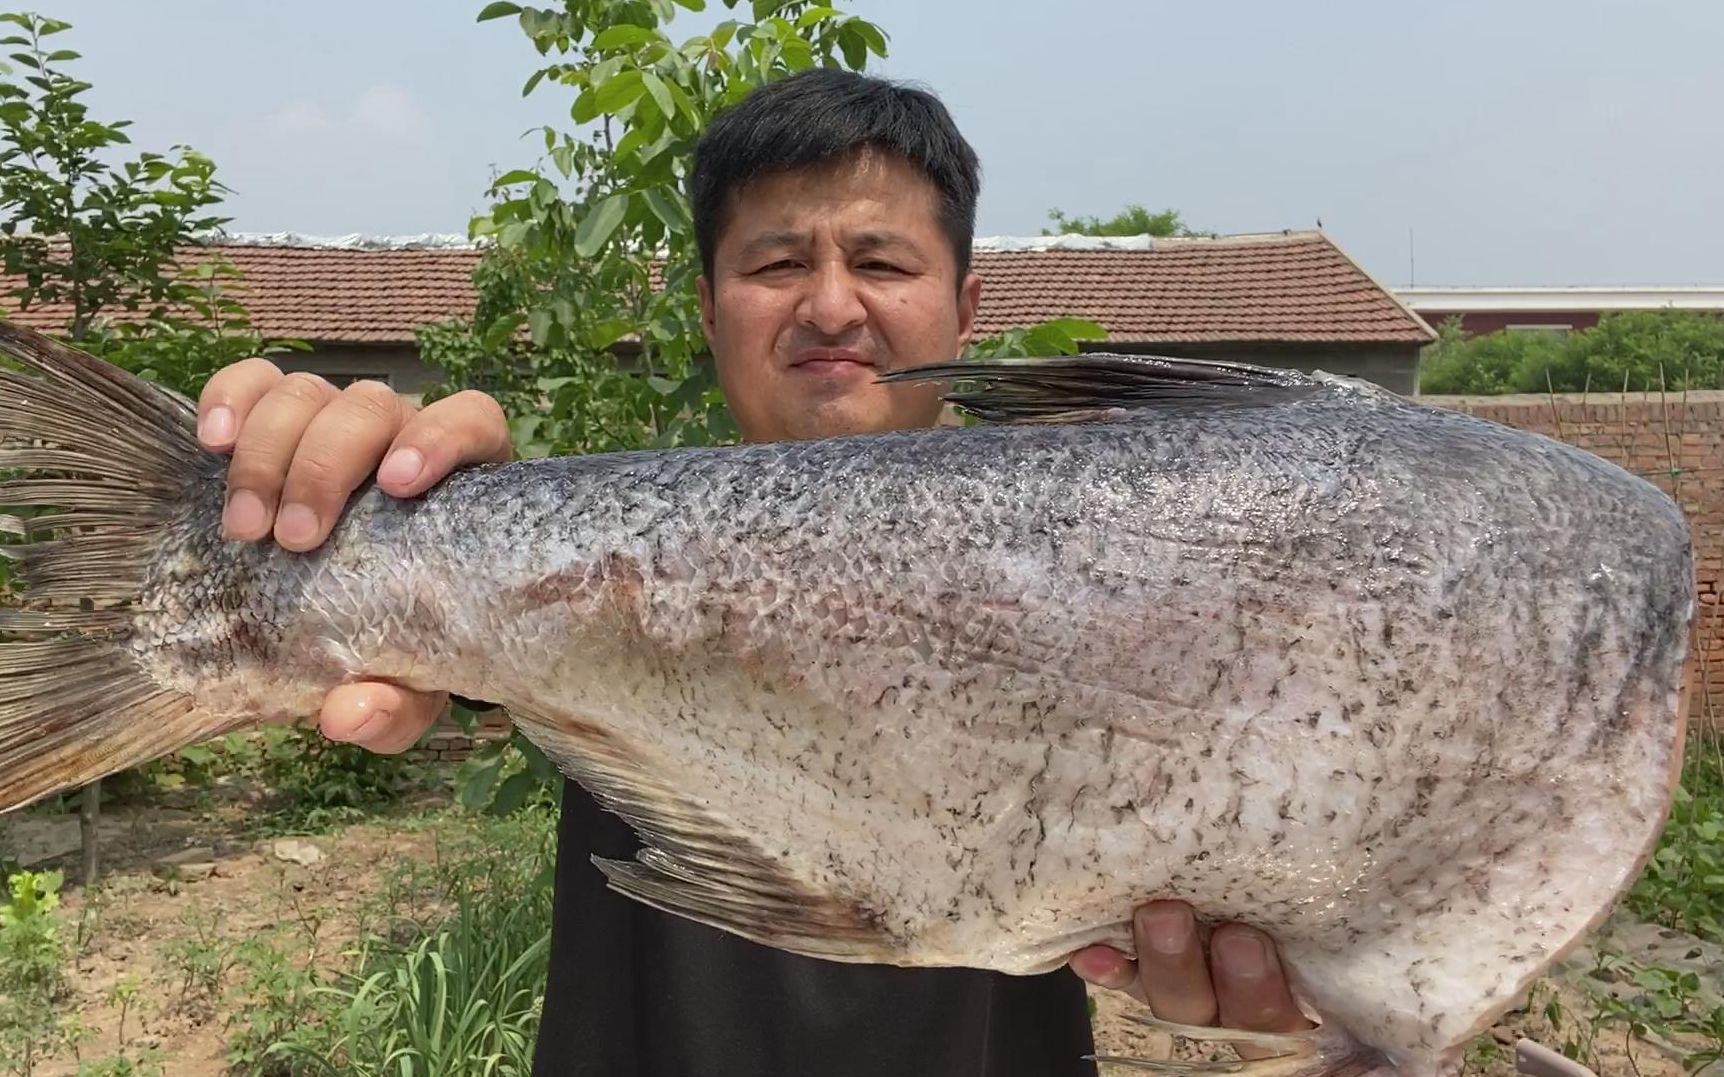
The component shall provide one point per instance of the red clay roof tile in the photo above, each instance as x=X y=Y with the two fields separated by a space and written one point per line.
x=1271 y=288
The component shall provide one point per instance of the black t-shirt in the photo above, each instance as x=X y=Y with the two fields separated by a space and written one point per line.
x=634 y=992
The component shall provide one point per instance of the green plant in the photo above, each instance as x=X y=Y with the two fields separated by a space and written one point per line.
x=1635 y=351
x=1664 y=1005
x=1682 y=885
x=1133 y=220
x=31 y=957
x=318 y=782
x=199 y=965
x=446 y=981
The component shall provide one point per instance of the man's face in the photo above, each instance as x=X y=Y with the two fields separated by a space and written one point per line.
x=824 y=279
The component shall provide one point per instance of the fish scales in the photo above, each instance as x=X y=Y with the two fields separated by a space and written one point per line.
x=1399 y=686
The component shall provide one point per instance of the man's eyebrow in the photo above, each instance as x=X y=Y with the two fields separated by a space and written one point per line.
x=769 y=241
x=873 y=241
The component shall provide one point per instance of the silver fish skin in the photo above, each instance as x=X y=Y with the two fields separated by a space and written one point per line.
x=1399 y=686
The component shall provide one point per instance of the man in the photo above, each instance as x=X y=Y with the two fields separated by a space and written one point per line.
x=834 y=217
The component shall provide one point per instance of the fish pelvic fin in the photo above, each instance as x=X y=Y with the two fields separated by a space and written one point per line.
x=1101 y=385
x=1320 y=1052
x=698 y=866
x=97 y=463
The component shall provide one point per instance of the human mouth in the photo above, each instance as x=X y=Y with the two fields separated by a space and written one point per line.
x=831 y=361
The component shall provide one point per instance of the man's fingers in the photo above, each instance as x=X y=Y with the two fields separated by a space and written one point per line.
x=1171 y=968
x=379 y=717
x=1106 y=967
x=228 y=398
x=265 y=448
x=1250 y=986
x=337 y=452
x=467 y=428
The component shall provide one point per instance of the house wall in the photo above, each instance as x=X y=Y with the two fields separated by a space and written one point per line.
x=1479 y=323
x=397 y=365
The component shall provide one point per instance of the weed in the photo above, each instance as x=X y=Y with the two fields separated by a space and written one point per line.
x=447 y=982
x=1682 y=885
x=200 y=966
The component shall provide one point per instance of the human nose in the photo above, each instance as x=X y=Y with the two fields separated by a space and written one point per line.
x=832 y=303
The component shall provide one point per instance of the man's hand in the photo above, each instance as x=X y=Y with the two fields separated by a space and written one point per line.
x=1238 y=985
x=300 y=448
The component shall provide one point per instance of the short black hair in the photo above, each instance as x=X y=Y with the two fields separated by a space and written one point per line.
x=824 y=115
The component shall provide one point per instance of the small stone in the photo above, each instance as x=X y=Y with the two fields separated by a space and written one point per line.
x=188 y=865
x=295 y=851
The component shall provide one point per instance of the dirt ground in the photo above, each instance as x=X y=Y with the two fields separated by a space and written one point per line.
x=182 y=888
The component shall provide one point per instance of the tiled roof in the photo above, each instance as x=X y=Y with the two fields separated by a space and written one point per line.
x=1283 y=287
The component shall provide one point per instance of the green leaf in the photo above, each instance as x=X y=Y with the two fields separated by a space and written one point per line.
x=817 y=13
x=519 y=175
x=60 y=56
x=692 y=5
x=596 y=227
x=873 y=35
x=666 y=208
x=498 y=9
x=660 y=94
x=618 y=92
x=513 y=793
x=621 y=37
x=1078 y=328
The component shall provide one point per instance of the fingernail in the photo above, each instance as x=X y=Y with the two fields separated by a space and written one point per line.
x=244 y=517
x=216 y=427
x=296 y=524
x=1170 y=931
x=1242 y=955
x=401 y=468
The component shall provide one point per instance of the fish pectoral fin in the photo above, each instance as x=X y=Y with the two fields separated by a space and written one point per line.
x=1325 y=1051
x=1103 y=386
x=698 y=866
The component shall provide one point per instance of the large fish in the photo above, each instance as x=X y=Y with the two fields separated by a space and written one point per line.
x=1401 y=687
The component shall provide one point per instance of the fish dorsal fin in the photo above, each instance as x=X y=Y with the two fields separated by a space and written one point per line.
x=695 y=864
x=1104 y=385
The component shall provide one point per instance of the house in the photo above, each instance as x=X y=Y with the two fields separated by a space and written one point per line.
x=1549 y=310
x=1290 y=299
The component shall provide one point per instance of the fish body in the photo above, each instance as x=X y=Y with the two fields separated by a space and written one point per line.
x=1399 y=686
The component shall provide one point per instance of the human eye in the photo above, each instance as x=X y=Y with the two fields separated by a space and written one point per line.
x=880 y=265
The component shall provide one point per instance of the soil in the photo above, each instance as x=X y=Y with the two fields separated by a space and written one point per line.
x=195 y=881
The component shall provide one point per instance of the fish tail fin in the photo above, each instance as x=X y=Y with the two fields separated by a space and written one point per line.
x=95 y=465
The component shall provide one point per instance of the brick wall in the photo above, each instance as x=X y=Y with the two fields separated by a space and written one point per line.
x=1675 y=441
x=445 y=742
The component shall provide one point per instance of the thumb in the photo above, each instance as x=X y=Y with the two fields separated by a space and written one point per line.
x=379 y=717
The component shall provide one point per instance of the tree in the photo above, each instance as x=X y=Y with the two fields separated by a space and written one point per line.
x=105 y=241
x=1634 y=351
x=1133 y=220
x=593 y=247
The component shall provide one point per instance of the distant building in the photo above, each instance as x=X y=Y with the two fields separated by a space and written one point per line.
x=1549 y=310
x=1290 y=299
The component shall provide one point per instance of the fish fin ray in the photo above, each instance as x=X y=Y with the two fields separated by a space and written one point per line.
x=113 y=455
x=1324 y=1051
x=1101 y=386
x=698 y=866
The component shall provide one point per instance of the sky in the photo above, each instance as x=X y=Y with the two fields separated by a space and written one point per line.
x=1443 y=142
